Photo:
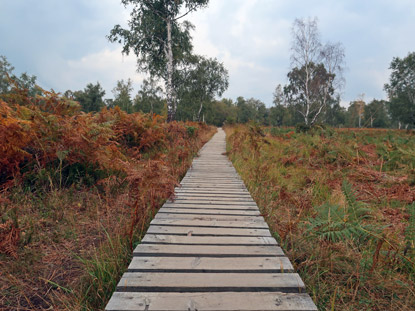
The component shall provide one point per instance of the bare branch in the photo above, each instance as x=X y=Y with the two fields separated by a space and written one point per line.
x=190 y=10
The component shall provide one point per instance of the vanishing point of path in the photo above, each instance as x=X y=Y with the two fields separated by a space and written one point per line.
x=210 y=249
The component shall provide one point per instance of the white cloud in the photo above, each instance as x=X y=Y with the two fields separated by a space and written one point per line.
x=108 y=66
x=105 y=66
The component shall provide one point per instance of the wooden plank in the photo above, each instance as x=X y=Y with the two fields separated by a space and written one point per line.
x=211 y=206
x=208 y=217
x=204 y=231
x=210 y=282
x=210 y=224
x=207 y=193
x=231 y=301
x=213 y=172
x=207 y=240
x=203 y=177
x=213 y=201
x=239 y=187
x=187 y=194
x=211 y=190
x=214 y=176
x=208 y=183
x=211 y=264
x=214 y=198
x=208 y=211
x=207 y=250
x=214 y=187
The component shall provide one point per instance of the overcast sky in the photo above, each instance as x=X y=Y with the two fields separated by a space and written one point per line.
x=63 y=42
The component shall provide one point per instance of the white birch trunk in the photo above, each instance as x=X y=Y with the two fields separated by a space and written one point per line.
x=307 y=96
x=171 y=105
x=200 y=110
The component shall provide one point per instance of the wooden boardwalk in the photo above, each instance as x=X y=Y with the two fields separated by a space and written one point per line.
x=210 y=249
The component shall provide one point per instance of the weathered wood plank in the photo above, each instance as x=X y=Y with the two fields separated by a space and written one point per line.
x=208 y=217
x=207 y=194
x=208 y=211
x=251 y=301
x=210 y=223
x=207 y=231
x=207 y=250
x=203 y=193
x=213 y=188
x=208 y=183
x=207 y=240
x=210 y=282
x=212 y=191
x=169 y=205
x=213 y=201
x=211 y=264
x=211 y=180
x=209 y=199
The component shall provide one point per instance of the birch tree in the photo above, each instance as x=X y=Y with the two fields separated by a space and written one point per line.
x=202 y=80
x=316 y=70
x=158 y=39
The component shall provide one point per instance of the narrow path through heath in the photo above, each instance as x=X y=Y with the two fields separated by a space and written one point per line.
x=210 y=249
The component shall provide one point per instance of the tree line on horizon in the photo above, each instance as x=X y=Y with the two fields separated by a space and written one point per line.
x=150 y=99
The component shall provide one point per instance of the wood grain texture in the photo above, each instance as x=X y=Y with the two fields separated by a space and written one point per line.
x=258 y=301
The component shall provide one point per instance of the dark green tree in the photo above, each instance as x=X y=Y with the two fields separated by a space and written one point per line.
x=149 y=99
x=335 y=114
x=219 y=112
x=245 y=112
x=376 y=114
x=91 y=98
x=8 y=78
x=122 y=95
x=251 y=110
x=401 y=90
x=356 y=113
x=203 y=79
x=157 y=38
x=279 y=113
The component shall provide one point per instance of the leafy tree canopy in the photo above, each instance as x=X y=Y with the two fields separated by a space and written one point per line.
x=202 y=80
x=122 y=95
x=149 y=98
x=401 y=89
x=157 y=38
x=8 y=78
x=91 y=98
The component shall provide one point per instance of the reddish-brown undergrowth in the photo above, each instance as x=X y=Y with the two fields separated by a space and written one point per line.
x=77 y=191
